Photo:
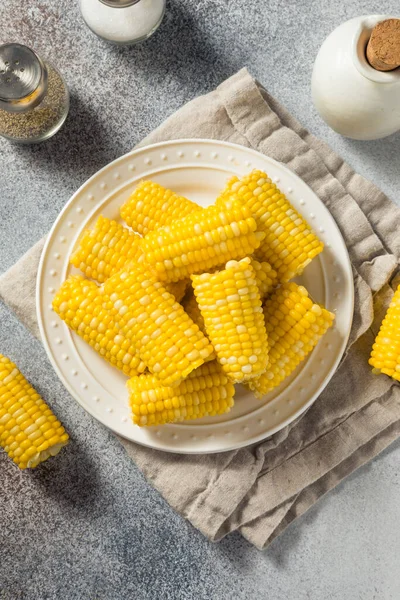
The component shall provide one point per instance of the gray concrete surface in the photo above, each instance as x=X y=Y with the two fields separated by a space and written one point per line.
x=87 y=526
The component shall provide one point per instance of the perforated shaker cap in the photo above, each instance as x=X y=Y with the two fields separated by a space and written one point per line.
x=119 y=3
x=23 y=78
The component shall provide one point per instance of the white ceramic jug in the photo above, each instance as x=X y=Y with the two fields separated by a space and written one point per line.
x=352 y=97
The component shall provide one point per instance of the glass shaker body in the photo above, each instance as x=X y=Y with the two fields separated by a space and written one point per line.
x=123 y=22
x=34 y=99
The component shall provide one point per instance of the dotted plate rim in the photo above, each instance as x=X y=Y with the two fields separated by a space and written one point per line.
x=75 y=364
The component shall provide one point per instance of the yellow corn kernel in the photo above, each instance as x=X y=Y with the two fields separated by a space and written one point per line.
x=294 y=325
x=385 y=355
x=290 y=244
x=83 y=306
x=207 y=391
x=266 y=277
x=105 y=249
x=230 y=303
x=191 y=307
x=109 y=247
x=201 y=241
x=26 y=421
x=152 y=206
x=168 y=341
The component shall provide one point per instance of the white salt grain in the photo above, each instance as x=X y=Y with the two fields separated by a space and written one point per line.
x=123 y=25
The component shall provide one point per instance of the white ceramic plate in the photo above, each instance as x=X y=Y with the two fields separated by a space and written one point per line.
x=197 y=169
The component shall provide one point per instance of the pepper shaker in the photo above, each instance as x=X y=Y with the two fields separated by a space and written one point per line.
x=34 y=100
x=123 y=22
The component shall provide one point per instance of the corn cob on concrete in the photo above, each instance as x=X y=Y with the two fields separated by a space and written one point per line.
x=206 y=391
x=230 y=303
x=29 y=432
x=294 y=325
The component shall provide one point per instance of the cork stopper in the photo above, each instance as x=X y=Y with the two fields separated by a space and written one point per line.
x=383 y=50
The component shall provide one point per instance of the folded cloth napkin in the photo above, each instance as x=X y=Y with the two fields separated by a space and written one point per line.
x=260 y=489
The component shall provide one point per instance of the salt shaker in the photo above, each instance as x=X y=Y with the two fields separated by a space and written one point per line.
x=34 y=99
x=123 y=22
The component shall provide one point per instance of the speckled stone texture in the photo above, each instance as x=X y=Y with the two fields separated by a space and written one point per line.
x=86 y=525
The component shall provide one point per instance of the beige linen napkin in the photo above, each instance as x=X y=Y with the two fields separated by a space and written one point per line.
x=259 y=490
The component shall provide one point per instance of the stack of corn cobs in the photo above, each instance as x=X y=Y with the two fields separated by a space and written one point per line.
x=191 y=300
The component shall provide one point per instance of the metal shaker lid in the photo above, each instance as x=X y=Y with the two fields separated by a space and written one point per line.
x=23 y=78
x=119 y=3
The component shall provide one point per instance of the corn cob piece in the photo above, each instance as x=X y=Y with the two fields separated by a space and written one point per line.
x=230 y=303
x=109 y=247
x=168 y=341
x=152 y=206
x=266 y=277
x=294 y=325
x=83 y=306
x=290 y=244
x=201 y=241
x=29 y=432
x=207 y=391
x=385 y=355
x=191 y=307
x=104 y=250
